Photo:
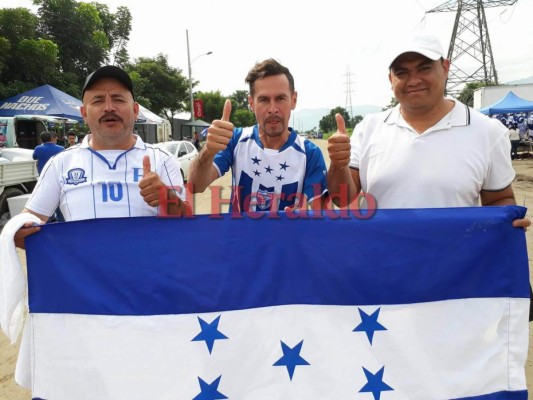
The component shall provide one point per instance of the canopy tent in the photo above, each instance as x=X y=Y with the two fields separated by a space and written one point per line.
x=151 y=127
x=43 y=100
x=196 y=123
x=511 y=103
x=148 y=117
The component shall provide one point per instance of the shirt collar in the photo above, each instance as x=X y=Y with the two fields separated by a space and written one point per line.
x=138 y=142
x=290 y=141
x=458 y=116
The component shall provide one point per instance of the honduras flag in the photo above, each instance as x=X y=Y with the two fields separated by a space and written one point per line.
x=410 y=304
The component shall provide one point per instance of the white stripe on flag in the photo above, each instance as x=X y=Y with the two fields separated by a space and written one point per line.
x=117 y=357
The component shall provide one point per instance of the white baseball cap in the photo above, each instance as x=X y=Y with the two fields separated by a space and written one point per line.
x=426 y=44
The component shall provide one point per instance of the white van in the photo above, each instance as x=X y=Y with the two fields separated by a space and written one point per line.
x=24 y=130
x=18 y=171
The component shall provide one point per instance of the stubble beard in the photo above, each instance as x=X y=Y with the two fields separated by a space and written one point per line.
x=106 y=138
x=274 y=132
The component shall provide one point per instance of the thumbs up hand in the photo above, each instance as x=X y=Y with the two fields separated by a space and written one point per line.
x=150 y=184
x=219 y=133
x=339 y=147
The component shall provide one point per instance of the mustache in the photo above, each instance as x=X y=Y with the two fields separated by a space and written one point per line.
x=107 y=115
x=273 y=118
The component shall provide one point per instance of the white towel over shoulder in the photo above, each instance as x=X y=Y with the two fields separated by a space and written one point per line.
x=13 y=285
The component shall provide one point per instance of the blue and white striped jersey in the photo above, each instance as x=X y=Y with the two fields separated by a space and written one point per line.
x=89 y=184
x=267 y=179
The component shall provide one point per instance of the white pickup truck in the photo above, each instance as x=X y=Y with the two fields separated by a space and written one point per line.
x=18 y=174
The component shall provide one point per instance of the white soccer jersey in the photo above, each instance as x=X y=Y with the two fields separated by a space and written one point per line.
x=268 y=179
x=89 y=184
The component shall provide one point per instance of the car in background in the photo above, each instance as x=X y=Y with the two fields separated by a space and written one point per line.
x=184 y=151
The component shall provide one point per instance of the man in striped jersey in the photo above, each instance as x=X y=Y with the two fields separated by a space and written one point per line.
x=112 y=173
x=272 y=166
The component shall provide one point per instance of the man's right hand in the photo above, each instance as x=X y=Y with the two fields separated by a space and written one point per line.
x=219 y=133
x=339 y=147
x=27 y=229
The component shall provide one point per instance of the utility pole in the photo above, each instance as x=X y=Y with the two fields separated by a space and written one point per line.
x=348 y=90
x=470 y=51
x=189 y=64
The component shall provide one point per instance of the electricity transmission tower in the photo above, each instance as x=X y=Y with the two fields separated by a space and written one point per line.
x=470 y=52
x=348 y=90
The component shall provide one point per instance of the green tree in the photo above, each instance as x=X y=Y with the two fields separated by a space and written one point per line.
x=158 y=86
x=241 y=114
x=243 y=117
x=117 y=28
x=239 y=100
x=16 y=25
x=393 y=103
x=78 y=31
x=467 y=94
x=87 y=34
x=328 y=122
x=5 y=48
x=40 y=60
x=356 y=120
x=60 y=45
x=213 y=104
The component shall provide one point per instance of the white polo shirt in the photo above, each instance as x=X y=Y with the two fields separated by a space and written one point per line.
x=89 y=184
x=446 y=166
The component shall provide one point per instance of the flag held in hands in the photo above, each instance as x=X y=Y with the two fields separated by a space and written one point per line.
x=410 y=304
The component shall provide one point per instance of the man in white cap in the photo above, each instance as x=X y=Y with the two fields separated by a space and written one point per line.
x=429 y=151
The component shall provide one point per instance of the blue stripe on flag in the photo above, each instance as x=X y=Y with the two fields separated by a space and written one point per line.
x=516 y=395
x=151 y=266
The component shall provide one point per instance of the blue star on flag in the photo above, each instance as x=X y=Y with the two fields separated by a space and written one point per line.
x=375 y=384
x=291 y=358
x=268 y=169
x=369 y=324
x=279 y=178
x=256 y=160
x=284 y=166
x=209 y=391
x=257 y=173
x=209 y=333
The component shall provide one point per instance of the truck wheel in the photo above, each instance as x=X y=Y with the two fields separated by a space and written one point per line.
x=6 y=194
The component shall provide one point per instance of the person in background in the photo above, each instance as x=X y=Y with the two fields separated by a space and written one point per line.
x=523 y=129
x=46 y=150
x=196 y=140
x=273 y=168
x=514 y=137
x=71 y=139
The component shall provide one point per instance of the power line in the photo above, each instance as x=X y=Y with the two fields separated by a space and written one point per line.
x=470 y=50
x=348 y=90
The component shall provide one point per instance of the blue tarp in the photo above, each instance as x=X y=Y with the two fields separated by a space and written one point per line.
x=44 y=100
x=511 y=103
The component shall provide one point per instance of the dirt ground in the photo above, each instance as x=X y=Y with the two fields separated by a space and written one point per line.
x=523 y=188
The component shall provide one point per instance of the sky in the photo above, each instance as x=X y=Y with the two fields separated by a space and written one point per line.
x=335 y=49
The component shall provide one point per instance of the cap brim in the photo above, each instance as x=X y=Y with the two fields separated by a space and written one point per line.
x=108 y=71
x=426 y=53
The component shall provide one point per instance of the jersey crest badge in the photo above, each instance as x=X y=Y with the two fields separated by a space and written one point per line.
x=76 y=176
x=264 y=199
